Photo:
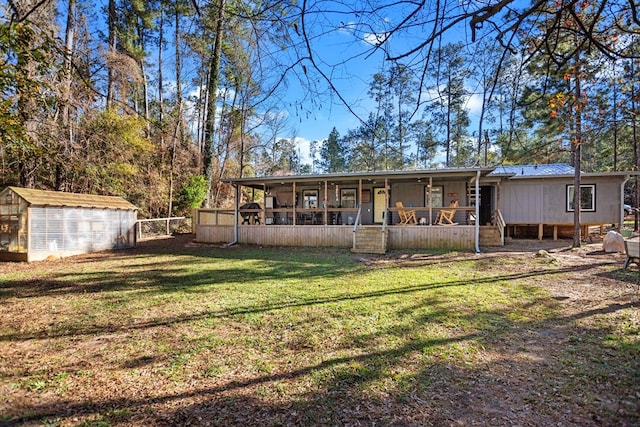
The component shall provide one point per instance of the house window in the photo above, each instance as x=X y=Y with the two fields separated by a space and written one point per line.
x=310 y=199
x=348 y=197
x=436 y=196
x=587 y=198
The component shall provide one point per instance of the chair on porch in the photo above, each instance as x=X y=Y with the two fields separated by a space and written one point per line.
x=407 y=216
x=446 y=215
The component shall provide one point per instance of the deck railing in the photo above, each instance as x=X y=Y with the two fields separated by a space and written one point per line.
x=311 y=216
x=499 y=222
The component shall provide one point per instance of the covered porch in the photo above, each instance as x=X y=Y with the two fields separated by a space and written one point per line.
x=398 y=210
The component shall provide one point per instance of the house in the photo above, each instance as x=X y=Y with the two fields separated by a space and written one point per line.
x=537 y=200
x=451 y=208
x=37 y=224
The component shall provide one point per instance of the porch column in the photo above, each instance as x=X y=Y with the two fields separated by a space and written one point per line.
x=477 y=222
x=325 y=203
x=386 y=198
x=264 y=204
x=294 y=203
x=359 y=204
x=430 y=200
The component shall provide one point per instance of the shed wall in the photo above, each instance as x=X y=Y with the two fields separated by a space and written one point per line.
x=63 y=231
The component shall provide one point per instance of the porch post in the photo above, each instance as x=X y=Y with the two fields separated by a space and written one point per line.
x=325 y=202
x=294 y=203
x=264 y=204
x=477 y=222
x=235 y=214
x=386 y=198
x=430 y=200
x=359 y=198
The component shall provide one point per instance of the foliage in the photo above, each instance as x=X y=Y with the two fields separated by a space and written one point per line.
x=332 y=154
x=90 y=112
x=26 y=68
x=193 y=192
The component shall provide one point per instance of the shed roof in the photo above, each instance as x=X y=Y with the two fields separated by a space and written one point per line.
x=62 y=199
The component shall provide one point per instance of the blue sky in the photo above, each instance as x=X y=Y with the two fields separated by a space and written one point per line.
x=347 y=56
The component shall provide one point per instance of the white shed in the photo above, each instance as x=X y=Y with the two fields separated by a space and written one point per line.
x=36 y=224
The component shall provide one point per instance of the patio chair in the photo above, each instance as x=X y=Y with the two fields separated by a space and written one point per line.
x=407 y=216
x=446 y=215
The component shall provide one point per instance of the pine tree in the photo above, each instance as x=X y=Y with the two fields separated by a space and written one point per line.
x=333 y=154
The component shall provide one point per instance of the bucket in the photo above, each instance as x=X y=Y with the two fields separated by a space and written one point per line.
x=626 y=233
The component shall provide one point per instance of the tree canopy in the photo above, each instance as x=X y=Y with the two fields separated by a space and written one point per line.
x=142 y=99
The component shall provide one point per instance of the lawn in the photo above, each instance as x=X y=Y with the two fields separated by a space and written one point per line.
x=174 y=333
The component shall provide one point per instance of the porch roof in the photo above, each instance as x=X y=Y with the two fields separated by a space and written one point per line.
x=443 y=174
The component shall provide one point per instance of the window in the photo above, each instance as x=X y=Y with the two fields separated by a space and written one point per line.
x=310 y=199
x=587 y=198
x=348 y=197
x=436 y=195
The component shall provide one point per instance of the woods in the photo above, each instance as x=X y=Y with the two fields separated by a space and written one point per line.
x=149 y=100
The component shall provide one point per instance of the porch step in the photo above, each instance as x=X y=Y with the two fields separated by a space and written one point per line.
x=369 y=240
x=490 y=236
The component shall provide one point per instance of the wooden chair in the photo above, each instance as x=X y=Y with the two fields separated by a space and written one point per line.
x=407 y=216
x=446 y=215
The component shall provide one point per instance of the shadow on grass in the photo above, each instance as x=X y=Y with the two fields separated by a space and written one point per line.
x=162 y=281
x=177 y=270
x=541 y=386
x=442 y=392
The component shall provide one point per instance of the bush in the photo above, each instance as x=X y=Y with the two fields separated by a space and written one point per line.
x=193 y=192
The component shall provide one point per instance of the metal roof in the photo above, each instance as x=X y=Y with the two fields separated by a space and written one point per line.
x=554 y=170
x=534 y=170
x=62 y=199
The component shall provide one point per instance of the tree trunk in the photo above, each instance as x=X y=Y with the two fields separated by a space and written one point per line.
x=111 y=75
x=65 y=118
x=577 y=147
x=212 y=88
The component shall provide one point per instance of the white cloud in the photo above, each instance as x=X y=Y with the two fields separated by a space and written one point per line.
x=304 y=149
x=474 y=104
x=375 y=39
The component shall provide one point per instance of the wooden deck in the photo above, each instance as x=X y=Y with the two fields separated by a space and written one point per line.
x=455 y=237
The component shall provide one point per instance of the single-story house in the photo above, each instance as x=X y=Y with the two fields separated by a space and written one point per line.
x=450 y=208
x=37 y=224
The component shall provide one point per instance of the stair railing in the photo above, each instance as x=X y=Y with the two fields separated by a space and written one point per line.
x=499 y=222
x=355 y=225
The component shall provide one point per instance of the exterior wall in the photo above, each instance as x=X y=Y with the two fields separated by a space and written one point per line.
x=278 y=235
x=62 y=231
x=404 y=237
x=455 y=237
x=521 y=202
x=544 y=201
x=13 y=224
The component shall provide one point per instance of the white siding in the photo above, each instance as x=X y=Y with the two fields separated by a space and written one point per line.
x=62 y=231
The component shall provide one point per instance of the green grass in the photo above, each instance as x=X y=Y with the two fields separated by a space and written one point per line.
x=294 y=336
